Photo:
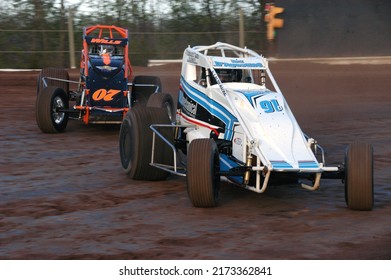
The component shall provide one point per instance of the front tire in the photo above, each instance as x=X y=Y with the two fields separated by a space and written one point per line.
x=203 y=182
x=143 y=87
x=135 y=144
x=163 y=100
x=50 y=102
x=359 y=176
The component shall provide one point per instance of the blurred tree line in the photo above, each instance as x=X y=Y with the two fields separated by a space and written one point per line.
x=34 y=34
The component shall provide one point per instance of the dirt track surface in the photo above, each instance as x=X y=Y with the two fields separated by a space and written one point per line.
x=65 y=196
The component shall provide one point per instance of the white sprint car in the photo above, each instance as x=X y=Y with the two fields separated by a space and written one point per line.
x=230 y=125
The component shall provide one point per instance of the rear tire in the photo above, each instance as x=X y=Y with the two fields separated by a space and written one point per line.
x=58 y=73
x=359 y=176
x=143 y=87
x=49 y=101
x=135 y=144
x=163 y=100
x=202 y=165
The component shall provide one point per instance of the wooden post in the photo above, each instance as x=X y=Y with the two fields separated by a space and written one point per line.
x=241 y=29
x=71 y=39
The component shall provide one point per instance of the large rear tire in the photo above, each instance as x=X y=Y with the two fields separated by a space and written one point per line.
x=57 y=73
x=163 y=100
x=203 y=163
x=135 y=144
x=359 y=176
x=49 y=101
x=143 y=87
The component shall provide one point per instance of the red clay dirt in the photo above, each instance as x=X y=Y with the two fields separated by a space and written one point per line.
x=65 y=196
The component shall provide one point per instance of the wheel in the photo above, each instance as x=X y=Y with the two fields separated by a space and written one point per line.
x=163 y=100
x=135 y=144
x=359 y=176
x=202 y=165
x=143 y=87
x=49 y=101
x=58 y=73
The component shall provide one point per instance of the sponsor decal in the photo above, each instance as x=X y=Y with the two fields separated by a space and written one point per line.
x=105 y=41
x=107 y=68
x=238 y=141
x=189 y=107
x=192 y=57
x=235 y=63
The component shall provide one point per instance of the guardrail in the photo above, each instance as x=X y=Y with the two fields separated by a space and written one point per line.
x=157 y=62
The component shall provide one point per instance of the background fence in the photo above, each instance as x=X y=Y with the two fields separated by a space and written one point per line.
x=34 y=33
x=143 y=46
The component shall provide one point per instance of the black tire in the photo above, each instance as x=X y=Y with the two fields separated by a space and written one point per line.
x=163 y=100
x=135 y=144
x=49 y=100
x=58 y=73
x=203 y=163
x=359 y=176
x=143 y=87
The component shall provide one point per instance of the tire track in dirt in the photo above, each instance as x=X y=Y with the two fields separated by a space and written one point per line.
x=64 y=196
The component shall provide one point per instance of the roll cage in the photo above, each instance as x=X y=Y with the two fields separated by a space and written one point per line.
x=223 y=56
x=95 y=38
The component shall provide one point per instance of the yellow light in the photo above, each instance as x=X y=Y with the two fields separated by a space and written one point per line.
x=273 y=22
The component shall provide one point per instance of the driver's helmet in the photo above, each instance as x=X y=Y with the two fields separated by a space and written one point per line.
x=106 y=49
x=228 y=75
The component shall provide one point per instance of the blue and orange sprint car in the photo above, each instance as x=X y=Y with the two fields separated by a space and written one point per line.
x=105 y=90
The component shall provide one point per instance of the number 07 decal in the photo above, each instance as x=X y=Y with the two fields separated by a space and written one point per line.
x=104 y=94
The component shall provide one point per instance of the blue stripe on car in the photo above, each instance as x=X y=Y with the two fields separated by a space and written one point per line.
x=280 y=164
x=226 y=164
x=302 y=164
x=211 y=106
x=308 y=164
